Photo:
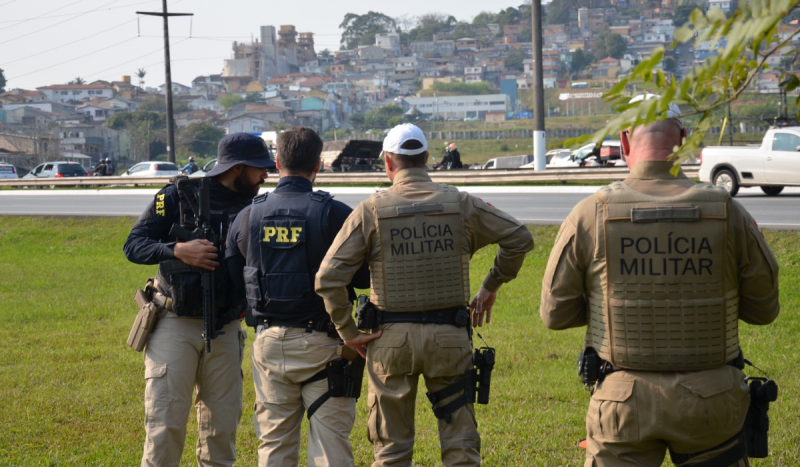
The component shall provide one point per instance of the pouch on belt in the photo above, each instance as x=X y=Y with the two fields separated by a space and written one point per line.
x=151 y=307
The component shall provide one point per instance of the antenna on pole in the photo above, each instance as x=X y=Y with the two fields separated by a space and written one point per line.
x=167 y=76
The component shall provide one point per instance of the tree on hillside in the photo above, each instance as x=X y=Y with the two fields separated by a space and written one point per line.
x=608 y=44
x=200 y=138
x=229 y=100
x=2 y=81
x=380 y=117
x=680 y=15
x=325 y=53
x=252 y=97
x=78 y=80
x=515 y=58
x=428 y=25
x=752 y=38
x=146 y=130
x=483 y=17
x=670 y=64
x=141 y=73
x=580 y=60
x=361 y=29
x=558 y=11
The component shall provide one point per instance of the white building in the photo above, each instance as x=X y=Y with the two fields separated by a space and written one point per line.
x=459 y=106
x=389 y=41
x=725 y=5
x=177 y=88
x=76 y=92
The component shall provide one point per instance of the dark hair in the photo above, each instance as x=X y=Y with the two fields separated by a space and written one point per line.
x=404 y=161
x=299 y=149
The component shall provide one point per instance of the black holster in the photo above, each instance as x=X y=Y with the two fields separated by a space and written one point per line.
x=366 y=314
x=345 y=377
x=476 y=382
x=483 y=361
x=756 y=425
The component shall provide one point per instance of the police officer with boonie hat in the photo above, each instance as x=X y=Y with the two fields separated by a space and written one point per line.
x=176 y=363
x=418 y=237
x=660 y=270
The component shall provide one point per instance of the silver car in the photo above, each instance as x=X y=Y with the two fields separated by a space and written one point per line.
x=152 y=169
x=8 y=171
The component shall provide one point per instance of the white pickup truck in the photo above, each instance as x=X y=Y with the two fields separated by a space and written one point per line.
x=773 y=165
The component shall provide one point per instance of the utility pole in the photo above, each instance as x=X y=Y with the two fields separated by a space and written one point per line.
x=539 y=146
x=168 y=76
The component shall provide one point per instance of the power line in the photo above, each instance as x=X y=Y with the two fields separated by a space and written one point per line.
x=68 y=43
x=72 y=59
x=7 y=3
x=56 y=24
x=43 y=14
x=70 y=14
x=133 y=59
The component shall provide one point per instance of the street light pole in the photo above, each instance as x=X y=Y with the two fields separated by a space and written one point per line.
x=539 y=145
x=167 y=76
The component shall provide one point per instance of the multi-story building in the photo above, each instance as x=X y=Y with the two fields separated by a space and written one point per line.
x=458 y=106
x=76 y=92
x=433 y=49
x=389 y=41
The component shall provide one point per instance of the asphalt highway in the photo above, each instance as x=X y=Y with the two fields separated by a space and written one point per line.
x=532 y=205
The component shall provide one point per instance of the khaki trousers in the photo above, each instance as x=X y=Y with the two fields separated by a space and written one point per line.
x=635 y=416
x=176 y=363
x=442 y=354
x=283 y=358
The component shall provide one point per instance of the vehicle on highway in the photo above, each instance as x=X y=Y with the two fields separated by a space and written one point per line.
x=771 y=166
x=152 y=169
x=57 y=169
x=8 y=171
x=549 y=156
x=205 y=169
x=589 y=155
x=508 y=162
x=471 y=119
x=351 y=155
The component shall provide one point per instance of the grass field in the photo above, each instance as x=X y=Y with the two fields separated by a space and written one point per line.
x=71 y=392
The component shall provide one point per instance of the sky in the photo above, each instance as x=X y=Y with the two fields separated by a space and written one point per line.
x=44 y=42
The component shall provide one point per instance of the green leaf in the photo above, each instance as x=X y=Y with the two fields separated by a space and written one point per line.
x=683 y=34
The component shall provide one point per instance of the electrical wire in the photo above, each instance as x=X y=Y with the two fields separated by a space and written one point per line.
x=68 y=43
x=70 y=14
x=133 y=59
x=43 y=14
x=55 y=24
x=8 y=3
x=72 y=59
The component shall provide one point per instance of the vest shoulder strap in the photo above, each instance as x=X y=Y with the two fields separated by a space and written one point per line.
x=260 y=198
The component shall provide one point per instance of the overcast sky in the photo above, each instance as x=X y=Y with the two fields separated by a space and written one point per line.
x=45 y=42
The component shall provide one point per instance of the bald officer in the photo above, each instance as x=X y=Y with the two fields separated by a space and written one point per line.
x=661 y=269
x=418 y=237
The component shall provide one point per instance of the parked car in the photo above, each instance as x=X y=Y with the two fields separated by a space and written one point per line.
x=770 y=166
x=8 y=171
x=471 y=119
x=57 y=169
x=608 y=155
x=453 y=119
x=152 y=169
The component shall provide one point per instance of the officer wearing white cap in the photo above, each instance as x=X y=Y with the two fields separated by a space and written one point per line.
x=660 y=270
x=176 y=361
x=418 y=237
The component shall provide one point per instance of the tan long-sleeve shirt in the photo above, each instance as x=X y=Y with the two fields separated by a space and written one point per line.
x=359 y=240
x=572 y=270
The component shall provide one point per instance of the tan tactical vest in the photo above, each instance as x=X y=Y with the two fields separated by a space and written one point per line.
x=668 y=298
x=424 y=259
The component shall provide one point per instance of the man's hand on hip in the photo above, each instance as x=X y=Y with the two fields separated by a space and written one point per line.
x=361 y=341
x=199 y=253
x=483 y=302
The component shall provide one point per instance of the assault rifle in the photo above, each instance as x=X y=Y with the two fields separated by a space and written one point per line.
x=195 y=194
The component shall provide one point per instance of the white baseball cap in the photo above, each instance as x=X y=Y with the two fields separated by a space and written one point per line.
x=402 y=133
x=673 y=112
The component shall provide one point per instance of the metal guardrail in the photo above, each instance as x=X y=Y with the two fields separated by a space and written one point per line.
x=455 y=177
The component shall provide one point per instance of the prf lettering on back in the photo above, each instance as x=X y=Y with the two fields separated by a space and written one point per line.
x=160 y=205
x=428 y=238
x=666 y=256
x=282 y=234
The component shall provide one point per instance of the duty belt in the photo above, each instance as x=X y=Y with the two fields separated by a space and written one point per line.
x=457 y=316
x=322 y=325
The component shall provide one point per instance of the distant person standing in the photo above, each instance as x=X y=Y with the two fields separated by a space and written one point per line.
x=455 y=157
x=191 y=167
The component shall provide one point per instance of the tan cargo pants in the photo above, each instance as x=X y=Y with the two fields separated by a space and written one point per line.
x=442 y=354
x=635 y=416
x=176 y=364
x=283 y=358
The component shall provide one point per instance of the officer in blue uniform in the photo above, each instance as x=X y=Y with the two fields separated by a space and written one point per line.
x=275 y=247
x=176 y=362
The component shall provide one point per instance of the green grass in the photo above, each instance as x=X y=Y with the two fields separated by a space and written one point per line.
x=71 y=391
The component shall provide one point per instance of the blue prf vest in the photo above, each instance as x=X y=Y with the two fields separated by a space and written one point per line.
x=287 y=242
